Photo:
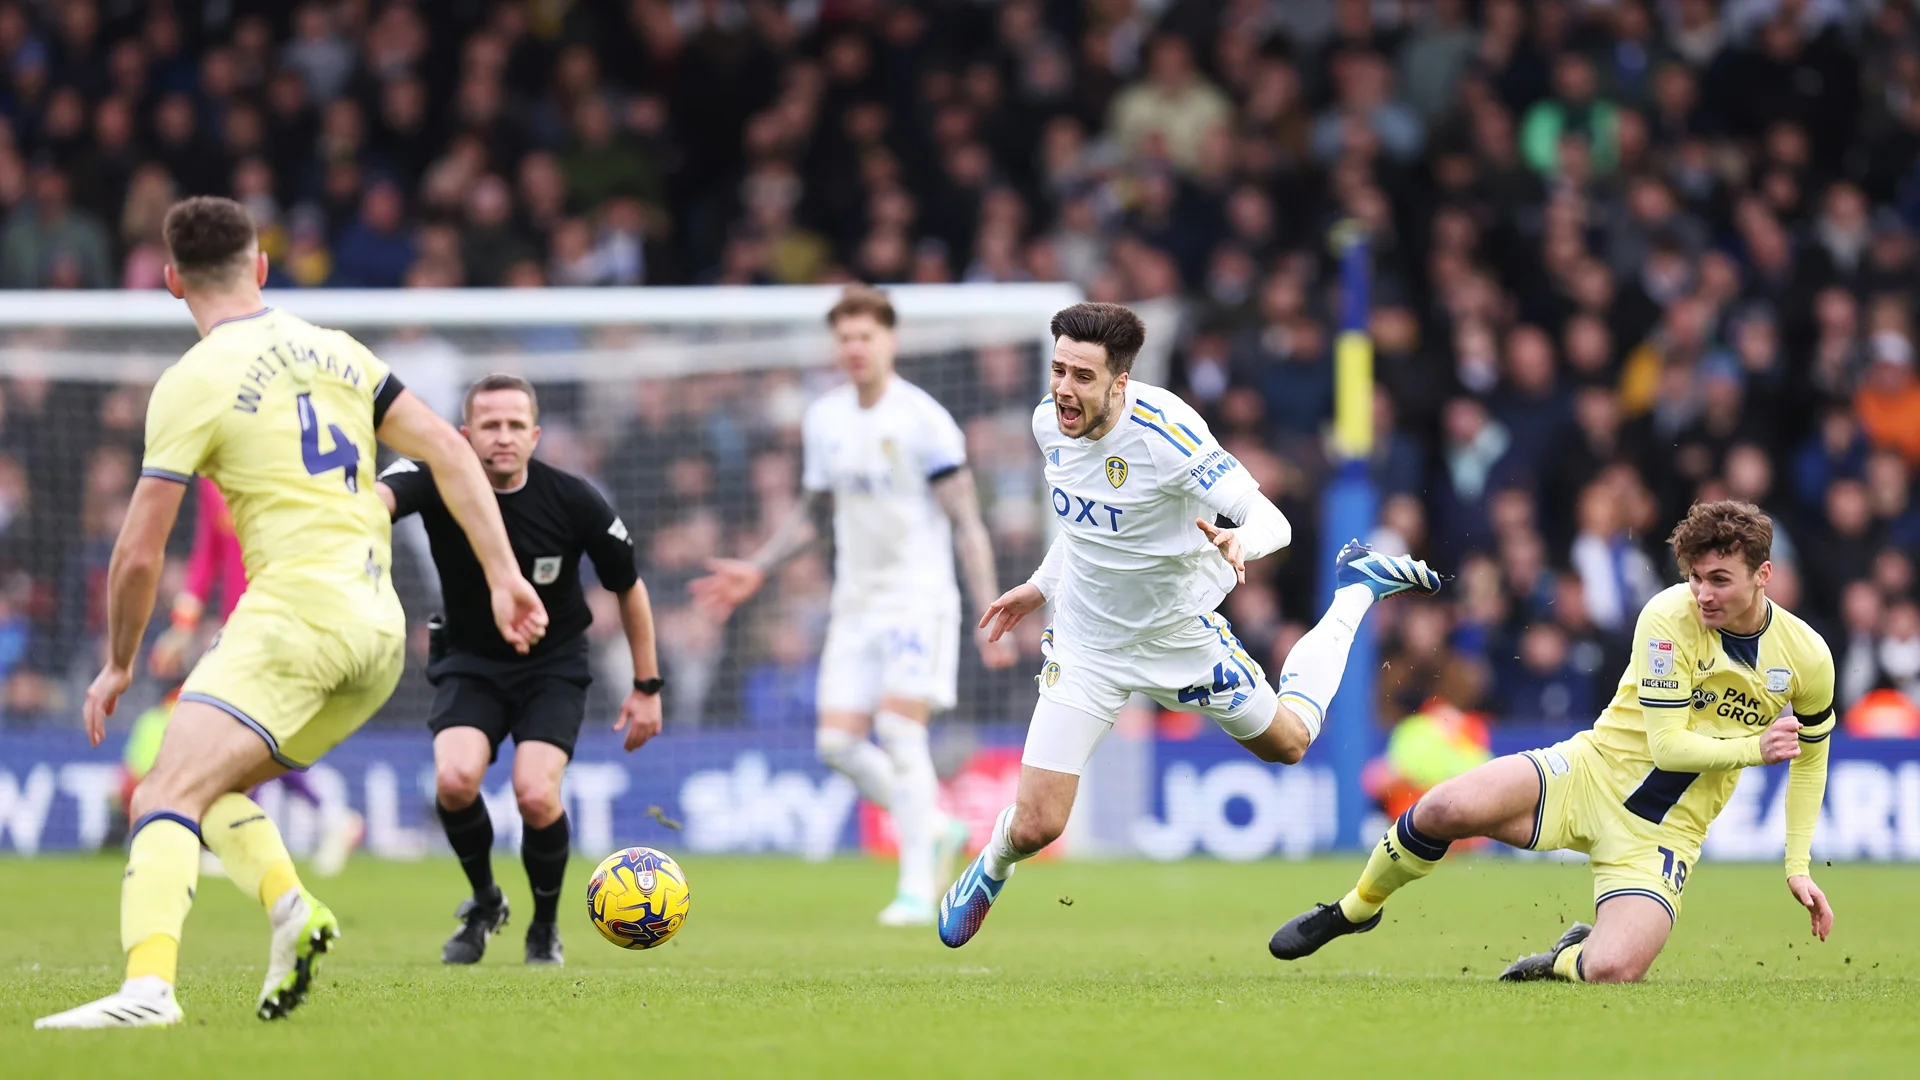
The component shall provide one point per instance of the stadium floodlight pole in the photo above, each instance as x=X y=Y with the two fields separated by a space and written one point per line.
x=1349 y=506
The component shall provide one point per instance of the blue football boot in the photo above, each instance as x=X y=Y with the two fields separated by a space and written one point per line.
x=965 y=906
x=1386 y=575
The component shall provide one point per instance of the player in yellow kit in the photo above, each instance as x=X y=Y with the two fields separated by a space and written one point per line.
x=281 y=415
x=1721 y=679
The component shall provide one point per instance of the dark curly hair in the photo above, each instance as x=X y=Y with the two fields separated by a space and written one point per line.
x=1727 y=527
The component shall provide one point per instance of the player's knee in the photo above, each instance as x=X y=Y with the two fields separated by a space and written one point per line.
x=457 y=783
x=1442 y=817
x=539 y=803
x=1603 y=968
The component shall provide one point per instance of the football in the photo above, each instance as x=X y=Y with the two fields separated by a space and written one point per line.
x=638 y=898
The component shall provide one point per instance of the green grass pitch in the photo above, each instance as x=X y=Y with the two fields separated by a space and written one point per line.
x=1149 y=970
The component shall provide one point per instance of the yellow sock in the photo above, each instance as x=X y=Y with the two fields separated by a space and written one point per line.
x=1567 y=964
x=249 y=846
x=158 y=955
x=163 y=869
x=1403 y=855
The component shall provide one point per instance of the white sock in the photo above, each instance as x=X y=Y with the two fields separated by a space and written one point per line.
x=1311 y=674
x=916 y=790
x=999 y=855
x=859 y=761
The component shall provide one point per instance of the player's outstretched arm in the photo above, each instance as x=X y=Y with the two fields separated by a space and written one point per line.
x=412 y=429
x=961 y=503
x=732 y=582
x=133 y=577
x=640 y=713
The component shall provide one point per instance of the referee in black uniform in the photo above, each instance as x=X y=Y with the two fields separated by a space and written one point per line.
x=486 y=691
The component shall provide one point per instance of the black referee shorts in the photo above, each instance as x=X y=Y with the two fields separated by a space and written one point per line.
x=540 y=699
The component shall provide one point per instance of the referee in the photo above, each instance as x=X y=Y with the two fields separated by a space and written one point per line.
x=486 y=691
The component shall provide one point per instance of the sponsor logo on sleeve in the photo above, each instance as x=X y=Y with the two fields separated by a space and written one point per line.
x=1660 y=657
x=1212 y=468
x=1661 y=684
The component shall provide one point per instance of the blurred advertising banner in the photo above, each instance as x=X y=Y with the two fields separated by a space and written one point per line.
x=1168 y=792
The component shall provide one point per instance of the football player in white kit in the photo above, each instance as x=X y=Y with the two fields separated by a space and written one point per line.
x=1134 y=576
x=892 y=464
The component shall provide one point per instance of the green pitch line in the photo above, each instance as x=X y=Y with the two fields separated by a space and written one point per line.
x=1105 y=969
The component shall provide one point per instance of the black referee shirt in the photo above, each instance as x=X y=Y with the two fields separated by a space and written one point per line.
x=551 y=520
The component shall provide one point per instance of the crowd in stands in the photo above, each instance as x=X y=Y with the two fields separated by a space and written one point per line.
x=1627 y=254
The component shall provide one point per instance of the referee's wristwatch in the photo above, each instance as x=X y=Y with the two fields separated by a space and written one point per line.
x=650 y=686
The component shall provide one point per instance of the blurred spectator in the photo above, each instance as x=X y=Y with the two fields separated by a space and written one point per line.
x=1476 y=458
x=1856 y=644
x=1574 y=112
x=48 y=243
x=1165 y=116
x=1616 y=577
x=1545 y=684
x=1420 y=666
x=318 y=52
x=779 y=692
x=374 y=252
x=1888 y=401
x=149 y=193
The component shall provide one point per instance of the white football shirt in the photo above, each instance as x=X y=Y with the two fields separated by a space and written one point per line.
x=1136 y=565
x=893 y=543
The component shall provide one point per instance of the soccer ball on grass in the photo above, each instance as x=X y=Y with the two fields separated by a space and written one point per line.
x=638 y=898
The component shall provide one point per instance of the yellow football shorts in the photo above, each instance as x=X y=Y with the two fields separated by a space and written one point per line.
x=301 y=687
x=1580 y=811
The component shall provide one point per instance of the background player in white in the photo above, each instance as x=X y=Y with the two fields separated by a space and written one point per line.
x=892 y=465
x=1135 y=574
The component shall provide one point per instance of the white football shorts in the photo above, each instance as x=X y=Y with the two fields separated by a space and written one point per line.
x=1200 y=668
x=913 y=655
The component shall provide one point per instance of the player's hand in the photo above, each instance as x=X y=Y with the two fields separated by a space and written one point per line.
x=728 y=584
x=519 y=614
x=1228 y=543
x=996 y=652
x=102 y=697
x=639 y=718
x=1781 y=741
x=169 y=651
x=1815 y=901
x=1005 y=613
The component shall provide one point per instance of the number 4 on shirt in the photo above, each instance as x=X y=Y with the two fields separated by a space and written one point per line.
x=344 y=455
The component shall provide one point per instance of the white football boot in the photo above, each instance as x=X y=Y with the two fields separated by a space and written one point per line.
x=907 y=911
x=143 y=1002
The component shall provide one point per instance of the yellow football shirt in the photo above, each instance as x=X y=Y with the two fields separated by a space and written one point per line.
x=280 y=415
x=1682 y=723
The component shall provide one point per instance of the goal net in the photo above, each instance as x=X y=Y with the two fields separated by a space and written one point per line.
x=682 y=406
